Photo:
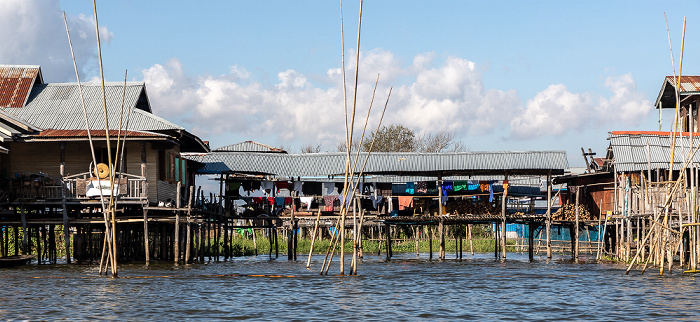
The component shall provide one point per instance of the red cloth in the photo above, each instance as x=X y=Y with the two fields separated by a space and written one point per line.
x=271 y=201
x=405 y=201
x=282 y=185
x=257 y=199
x=287 y=200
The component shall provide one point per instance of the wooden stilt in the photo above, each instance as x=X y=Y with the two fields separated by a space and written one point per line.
x=25 y=249
x=548 y=226
x=531 y=241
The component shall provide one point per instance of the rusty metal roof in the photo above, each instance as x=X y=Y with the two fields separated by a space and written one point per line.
x=16 y=83
x=690 y=85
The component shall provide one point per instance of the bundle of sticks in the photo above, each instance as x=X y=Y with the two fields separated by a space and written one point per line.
x=466 y=207
x=568 y=212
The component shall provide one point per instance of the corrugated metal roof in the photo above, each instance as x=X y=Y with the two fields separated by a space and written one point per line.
x=690 y=85
x=249 y=146
x=629 y=150
x=448 y=164
x=94 y=133
x=58 y=106
x=16 y=83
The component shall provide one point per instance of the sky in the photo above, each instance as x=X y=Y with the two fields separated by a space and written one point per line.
x=500 y=75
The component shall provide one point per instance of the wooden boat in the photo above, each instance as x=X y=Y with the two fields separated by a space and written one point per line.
x=15 y=260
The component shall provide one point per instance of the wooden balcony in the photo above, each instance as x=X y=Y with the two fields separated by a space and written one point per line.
x=78 y=187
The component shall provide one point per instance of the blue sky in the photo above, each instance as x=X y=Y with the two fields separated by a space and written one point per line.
x=501 y=75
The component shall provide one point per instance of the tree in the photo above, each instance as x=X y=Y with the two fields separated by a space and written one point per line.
x=440 y=141
x=309 y=148
x=342 y=145
x=392 y=138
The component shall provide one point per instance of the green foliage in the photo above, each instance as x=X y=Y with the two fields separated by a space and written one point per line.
x=392 y=138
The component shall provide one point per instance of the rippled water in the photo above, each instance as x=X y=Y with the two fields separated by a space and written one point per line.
x=406 y=288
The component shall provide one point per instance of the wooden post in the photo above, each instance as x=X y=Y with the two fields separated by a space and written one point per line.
x=430 y=240
x=549 y=215
x=471 y=242
x=24 y=230
x=313 y=238
x=388 y=240
x=575 y=234
x=177 y=223
x=415 y=236
x=531 y=241
x=441 y=227
x=188 y=244
x=504 y=203
x=146 y=246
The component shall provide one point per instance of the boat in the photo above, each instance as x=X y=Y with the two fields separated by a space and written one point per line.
x=15 y=260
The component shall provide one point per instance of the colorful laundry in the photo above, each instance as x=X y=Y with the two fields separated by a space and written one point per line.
x=282 y=185
x=328 y=202
x=329 y=187
x=405 y=201
x=460 y=185
x=306 y=201
x=447 y=185
x=421 y=187
x=410 y=187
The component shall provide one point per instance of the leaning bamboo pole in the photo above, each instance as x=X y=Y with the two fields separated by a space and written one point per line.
x=108 y=235
x=313 y=237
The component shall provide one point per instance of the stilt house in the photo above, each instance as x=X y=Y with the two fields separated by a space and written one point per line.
x=44 y=134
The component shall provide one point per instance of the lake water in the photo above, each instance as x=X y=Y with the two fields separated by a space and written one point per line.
x=405 y=288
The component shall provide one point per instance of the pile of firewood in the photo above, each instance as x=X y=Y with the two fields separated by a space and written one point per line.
x=465 y=207
x=568 y=213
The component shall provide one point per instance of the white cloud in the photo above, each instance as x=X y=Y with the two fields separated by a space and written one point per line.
x=32 y=32
x=556 y=111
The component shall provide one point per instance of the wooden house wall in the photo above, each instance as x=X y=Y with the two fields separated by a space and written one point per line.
x=34 y=157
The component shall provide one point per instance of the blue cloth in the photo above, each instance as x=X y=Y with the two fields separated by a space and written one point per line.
x=447 y=185
x=279 y=201
x=410 y=188
x=444 y=199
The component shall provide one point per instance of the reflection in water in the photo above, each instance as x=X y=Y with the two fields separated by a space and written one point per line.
x=404 y=288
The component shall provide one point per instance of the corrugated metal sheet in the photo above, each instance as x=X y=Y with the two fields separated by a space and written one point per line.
x=16 y=83
x=58 y=106
x=688 y=83
x=449 y=164
x=249 y=146
x=94 y=133
x=630 y=150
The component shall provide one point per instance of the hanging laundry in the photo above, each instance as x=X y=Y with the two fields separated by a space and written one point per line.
x=484 y=186
x=328 y=202
x=460 y=185
x=258 y=200
x=329 y=187
x=267 y=186
x=271 y=201
x=282 y=185
x=471 y=185
x=410 y=187
x=287 y=201
x=490 y=191
x=297 y=186
x=376 y=200
x=421 y=187
x=447 y=185
x=254 y=185
x=246 y=185
x=405 y=201
x=444 y=199
x=306 y=201
x=279 y=201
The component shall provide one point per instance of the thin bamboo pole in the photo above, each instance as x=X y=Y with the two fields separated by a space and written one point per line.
x=313 y=237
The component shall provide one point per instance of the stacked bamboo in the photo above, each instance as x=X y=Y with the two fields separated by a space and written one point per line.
x=568 y=213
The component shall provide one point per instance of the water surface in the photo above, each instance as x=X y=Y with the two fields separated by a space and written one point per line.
x=405 y=288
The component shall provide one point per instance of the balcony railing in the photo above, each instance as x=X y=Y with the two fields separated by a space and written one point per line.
x=78 y=187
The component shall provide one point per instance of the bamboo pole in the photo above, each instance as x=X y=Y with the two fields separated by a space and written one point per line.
x=313 y=237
